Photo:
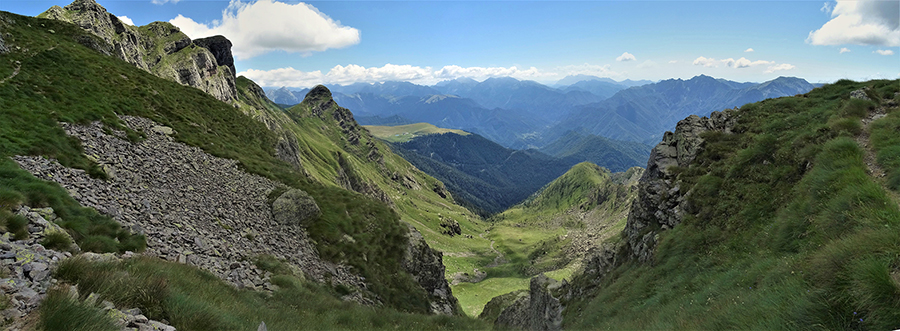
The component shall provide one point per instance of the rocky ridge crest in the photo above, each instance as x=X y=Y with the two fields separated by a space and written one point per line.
x=159 y=48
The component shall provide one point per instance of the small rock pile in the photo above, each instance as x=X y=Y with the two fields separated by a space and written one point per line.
x=25 y=264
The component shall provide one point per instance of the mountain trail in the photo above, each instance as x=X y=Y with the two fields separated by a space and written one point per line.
x=499 y=260
x=874 y=169
x=14 y=74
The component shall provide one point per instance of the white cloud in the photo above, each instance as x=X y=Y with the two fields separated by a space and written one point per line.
x=863 y=22
x=844 y=50
x=352 y=73
x=626 y=57
x=743 y=62
x=162 y=2
x=884 y=52
x=779 y=67
x=673 y=61
x=826 y=7
x=265 y=25
x=126 y=20
x=749 y=50
x=706 y=62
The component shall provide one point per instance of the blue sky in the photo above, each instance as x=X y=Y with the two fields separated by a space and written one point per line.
x=302 y=44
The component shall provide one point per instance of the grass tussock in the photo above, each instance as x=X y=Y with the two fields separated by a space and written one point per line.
x=784 y=222
x=192 y=299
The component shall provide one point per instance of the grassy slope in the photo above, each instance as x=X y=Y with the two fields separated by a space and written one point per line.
x=788 y=230
x=192 y=299
x=60 y=80
x=320 y=142
x=536 y=236
x=403 y=133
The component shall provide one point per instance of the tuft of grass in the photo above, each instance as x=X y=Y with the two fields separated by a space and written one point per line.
x=57 y=241
x=60 y=312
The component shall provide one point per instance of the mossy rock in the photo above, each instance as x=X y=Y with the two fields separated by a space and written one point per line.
x=295 y=207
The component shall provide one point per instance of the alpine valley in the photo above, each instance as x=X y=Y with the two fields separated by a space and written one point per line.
x=145 y=185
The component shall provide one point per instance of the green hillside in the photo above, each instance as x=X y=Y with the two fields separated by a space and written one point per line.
x=49 y=76
x=404 y=133
x=790 y=225
x=549 y=232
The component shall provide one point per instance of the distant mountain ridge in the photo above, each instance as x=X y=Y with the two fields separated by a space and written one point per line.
x=643 y=113
x=526 y=114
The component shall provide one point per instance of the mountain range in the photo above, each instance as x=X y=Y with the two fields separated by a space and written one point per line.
x=525 y=114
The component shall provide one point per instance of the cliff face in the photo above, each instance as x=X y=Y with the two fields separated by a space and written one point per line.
x=661 y=200
x=159 y=48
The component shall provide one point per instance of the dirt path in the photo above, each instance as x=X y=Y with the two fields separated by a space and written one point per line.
x=499 y=260
x=15 y=72
x=870 y=158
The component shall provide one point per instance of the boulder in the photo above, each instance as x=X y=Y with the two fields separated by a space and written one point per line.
x=295 y=207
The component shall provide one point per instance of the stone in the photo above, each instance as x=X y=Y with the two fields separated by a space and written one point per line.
x=539 y=311
x=295 y=207
x=163 y=130
x=860 y=94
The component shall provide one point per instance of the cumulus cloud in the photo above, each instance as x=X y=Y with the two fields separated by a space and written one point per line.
x=126 y=20
x=626 y=57
x=863 y=22
x=706 y=62
x=162 y=2
x=884 y=52
x=352 y=73
x=779 y=67
x=749 y=50
x=741 y=63
x=845 y=50
x=744 y=63
x=265 y=25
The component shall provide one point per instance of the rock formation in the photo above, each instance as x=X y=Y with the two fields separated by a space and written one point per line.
x=539 y=311
x=427 y=267
x=159 y=48
x=660 y=202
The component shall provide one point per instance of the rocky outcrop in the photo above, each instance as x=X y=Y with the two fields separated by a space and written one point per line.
x=220 y=47
x=660 y=202
x=193 y=207
x=26 y=264
x=450 y=226
x=159 y=48
x=295 y=207
x=539 y=311
x=426 y=266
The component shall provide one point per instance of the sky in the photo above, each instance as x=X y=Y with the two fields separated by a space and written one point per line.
x=301 y=44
